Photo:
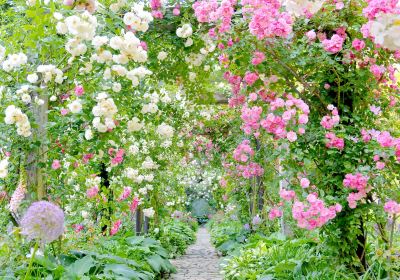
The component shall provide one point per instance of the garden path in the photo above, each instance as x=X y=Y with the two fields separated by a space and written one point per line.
x=200 y=262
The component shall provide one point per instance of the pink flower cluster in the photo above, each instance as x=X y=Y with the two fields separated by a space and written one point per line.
x=287 y=195
x=251 y=118
x=377 y=6
x=210 y=11
x=392 y=207
x=234 y=80
x=92 y=192
x=358 y=44
x=115 y=227
x=155 y=6
x=250 y=78
x=125 y=193
x=328 y=122
x=377 y=71
x=333 y=45
x=119 y=155
x=266 y=19
x=291 y=108
x=258 y=57
x=313 y=213
x=251 y=170
x=243 y=152
x=274 y=213
x=334 y=141
x=356 y=182
x=135 y=203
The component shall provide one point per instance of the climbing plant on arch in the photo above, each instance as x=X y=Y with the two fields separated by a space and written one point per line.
x=100 y=102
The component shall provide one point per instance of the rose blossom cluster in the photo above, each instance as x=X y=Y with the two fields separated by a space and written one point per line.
x=243 y=152
x=251 y=119
x=383 y=27
x=359 y=183
x=392 y=207
x=292 y=111
x=313 y=213
x=334 y=141
x=251 y=170
x=105 y=109
x=267 y=20
x=303 y=7
x=335 y=44
x=15 y=116
x=81 y=28
x=274 y=213
x=138 y=19
x=329 y=122
x=156 y=6
x=211 y=11
x=117 y=156
x=13 y=61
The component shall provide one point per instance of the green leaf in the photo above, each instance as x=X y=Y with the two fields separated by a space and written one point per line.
x=80 y=267
x=122 y=270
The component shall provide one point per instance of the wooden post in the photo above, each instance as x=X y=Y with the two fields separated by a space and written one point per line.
x=146 y=225
x=138 y=221
x=36 y=173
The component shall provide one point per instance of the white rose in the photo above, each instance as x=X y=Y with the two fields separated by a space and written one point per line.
x=32 y=78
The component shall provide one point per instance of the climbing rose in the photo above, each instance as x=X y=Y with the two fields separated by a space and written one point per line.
x=334 y=44
x=43 y=221
x=392 y=207
x=358 y=44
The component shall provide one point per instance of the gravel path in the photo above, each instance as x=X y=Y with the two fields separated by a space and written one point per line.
x=200 y=262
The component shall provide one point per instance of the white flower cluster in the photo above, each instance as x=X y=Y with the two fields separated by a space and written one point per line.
x=75 y=106
x=15 y=115
x=49 y=72
x=149 y=212
x=150 y=108
x=129 y=47
x=13 y=61
x=115 y=7
x=165 y=131
x=299 y=7
x=386 y=31
x=134 y=75
x=91 y=182
x=105 y=109
x=138 y=19
x=135 y=125
x=81 y=27
x=3 y=168
x=148 y=163
x=131 y=173
x=185 y=31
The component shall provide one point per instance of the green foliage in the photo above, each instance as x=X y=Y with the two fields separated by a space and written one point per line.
x=176 y=236
x=123 y=257
x=271 y=258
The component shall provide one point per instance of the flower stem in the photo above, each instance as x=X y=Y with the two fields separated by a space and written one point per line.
x=28 y=272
